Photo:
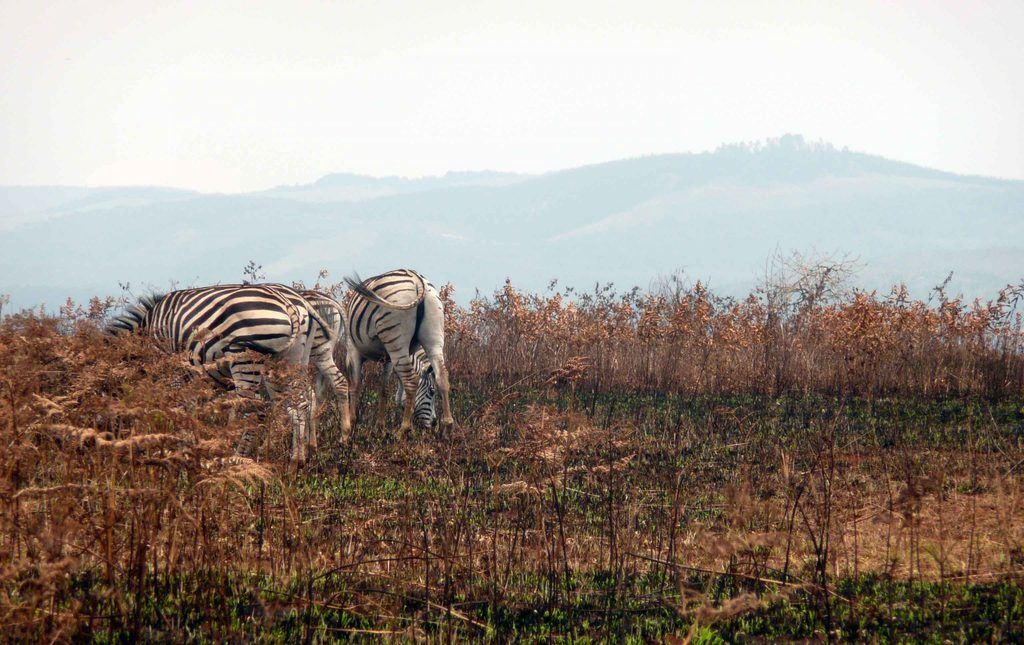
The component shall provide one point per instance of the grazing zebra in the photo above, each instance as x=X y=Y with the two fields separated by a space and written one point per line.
x=424 y=411
x=393 y=315
x=219 y=325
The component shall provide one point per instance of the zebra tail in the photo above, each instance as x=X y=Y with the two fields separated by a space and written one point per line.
x=361 y=289
x=315 y=315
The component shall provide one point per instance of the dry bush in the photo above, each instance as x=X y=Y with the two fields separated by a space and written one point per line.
x=808 y=336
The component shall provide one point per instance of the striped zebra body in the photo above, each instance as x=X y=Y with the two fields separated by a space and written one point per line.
x=219 y=326
x=396 y=315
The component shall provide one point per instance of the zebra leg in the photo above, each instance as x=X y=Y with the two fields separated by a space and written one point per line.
x=354 y=371
x=311 y=441
x=296 y=387
x=382 y=397
x=297 y=415
x=243 y=373
x=406 y=368
x=342 y=393
x=389 y=371
x=443 y=388
x=247 y=373
x=299 y=402
x=328 y=374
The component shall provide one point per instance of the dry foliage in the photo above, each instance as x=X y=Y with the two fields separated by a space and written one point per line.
x=118 y=459
x=120 y=482
x=792 y=338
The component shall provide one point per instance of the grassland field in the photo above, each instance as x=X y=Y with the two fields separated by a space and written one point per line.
x=561 y=508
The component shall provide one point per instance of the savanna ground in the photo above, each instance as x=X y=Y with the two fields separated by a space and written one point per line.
x=646 y=466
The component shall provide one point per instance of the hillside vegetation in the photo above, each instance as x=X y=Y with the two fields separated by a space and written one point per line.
x=798 y=464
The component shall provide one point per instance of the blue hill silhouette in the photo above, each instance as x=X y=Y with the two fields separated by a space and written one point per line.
x=718 y=215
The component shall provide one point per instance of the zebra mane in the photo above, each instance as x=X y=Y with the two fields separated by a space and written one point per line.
x=134 y=316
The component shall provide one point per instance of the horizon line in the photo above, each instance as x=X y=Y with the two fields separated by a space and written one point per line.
x=756 y=145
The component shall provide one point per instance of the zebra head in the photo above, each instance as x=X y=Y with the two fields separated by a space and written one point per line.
x=424 y=413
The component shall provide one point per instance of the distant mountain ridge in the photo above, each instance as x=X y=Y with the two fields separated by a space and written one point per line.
x=353 y=187
x=451 y=178
x=718 y=215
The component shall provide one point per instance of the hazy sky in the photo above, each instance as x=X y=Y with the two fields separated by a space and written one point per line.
x=240 y=96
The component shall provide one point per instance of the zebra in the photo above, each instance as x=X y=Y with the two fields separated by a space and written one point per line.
x=393 y=315
x=219 y=325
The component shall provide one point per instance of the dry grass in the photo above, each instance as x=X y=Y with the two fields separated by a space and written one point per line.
x=690 y=341
x=571 y=500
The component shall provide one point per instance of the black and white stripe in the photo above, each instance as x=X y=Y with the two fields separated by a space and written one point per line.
x=392 y=316
x=324 y=343
x=219 y=325
x=424 y=405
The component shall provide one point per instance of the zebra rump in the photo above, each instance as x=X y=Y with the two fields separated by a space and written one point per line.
x=359 y=286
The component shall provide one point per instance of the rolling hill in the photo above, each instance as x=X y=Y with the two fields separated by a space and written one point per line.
x=717 y=215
